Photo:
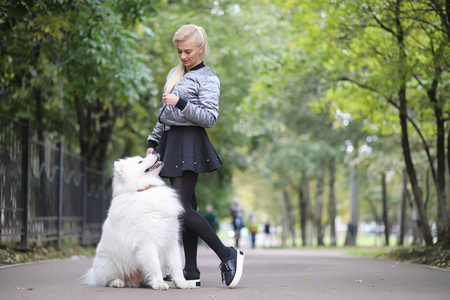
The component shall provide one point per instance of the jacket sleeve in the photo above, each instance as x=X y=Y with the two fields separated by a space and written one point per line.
x=155 y=136
x=206 y=111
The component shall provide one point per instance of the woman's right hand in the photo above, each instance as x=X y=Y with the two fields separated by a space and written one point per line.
x=149 y=150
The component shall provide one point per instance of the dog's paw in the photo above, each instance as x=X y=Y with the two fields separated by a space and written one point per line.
x=159 y=285
x=117 y=283
x=184 y=284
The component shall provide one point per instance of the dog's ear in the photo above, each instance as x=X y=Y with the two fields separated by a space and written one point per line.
x=118 y=166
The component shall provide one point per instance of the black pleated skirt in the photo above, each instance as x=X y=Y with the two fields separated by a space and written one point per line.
x=184 y=148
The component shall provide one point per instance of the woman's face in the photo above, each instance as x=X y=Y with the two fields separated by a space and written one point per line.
x=189 y=53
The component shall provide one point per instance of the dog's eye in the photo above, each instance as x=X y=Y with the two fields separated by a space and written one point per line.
x=140 y=162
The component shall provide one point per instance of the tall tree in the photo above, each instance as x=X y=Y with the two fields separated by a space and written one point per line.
x=83 y=52
x=406 y=41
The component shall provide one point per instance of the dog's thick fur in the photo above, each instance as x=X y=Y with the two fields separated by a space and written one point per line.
x=140 y=238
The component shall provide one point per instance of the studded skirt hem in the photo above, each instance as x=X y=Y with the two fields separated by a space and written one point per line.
x=187 y=148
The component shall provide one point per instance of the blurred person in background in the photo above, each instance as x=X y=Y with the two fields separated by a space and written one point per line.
x=210 y=216
x=237 y=214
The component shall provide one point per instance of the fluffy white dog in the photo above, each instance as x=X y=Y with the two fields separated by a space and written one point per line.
x=140 y=238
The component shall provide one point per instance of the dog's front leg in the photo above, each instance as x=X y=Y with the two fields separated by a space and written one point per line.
x=148 y=258
x=173 y=257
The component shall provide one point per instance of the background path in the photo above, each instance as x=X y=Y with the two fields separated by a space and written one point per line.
x=268 y=274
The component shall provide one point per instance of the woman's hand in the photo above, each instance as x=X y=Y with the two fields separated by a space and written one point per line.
x=149 y=150
x=170 y=99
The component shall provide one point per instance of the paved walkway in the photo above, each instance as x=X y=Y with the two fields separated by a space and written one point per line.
x=268 y=274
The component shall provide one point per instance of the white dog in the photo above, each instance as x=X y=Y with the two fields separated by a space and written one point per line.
x=140 y=238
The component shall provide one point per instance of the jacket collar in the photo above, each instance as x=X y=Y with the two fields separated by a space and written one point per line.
x=199 y=66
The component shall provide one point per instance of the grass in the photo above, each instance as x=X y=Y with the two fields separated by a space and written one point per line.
x=370 y=252
x=371 y=245
x=9 y=255
x=435 y=256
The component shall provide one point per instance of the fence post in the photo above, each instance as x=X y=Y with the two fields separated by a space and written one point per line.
x=60 y=192
x=25 y=183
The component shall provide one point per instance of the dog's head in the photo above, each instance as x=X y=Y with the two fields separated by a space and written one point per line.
x=133 y=174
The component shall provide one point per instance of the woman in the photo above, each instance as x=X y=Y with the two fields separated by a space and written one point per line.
x=191 y=104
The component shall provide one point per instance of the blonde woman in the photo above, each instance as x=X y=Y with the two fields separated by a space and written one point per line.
x=190 y=103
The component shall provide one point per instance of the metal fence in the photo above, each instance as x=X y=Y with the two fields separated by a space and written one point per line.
x=46 y=192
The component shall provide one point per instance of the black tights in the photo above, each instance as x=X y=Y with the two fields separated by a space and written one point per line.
x=194 y=225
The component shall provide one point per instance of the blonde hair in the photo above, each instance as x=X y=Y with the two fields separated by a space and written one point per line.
x=183 y=34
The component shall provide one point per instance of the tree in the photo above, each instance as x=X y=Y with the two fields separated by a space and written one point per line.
x=88 y=51
x=398 y=21
x=93 y=72
x=108 y=73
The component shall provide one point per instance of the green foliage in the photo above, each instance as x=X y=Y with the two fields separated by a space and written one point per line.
x=302 y=82
x=69 y=62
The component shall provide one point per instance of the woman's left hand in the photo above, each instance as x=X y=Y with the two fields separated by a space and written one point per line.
x=170 y=99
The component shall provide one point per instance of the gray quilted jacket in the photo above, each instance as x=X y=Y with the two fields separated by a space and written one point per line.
x=199 y=92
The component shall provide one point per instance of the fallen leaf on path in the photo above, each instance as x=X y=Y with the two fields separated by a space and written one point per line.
x=23 y=289
x=358 y=281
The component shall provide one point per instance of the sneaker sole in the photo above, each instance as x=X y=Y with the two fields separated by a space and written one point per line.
x=194 y=283
x=239 y=268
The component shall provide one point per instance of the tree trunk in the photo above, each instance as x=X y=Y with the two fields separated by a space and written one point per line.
x=442 y=222
x=352 y=229
x=284 y=223
x=309 y=215
x=85 y=132
x=412 y=173
x=332 y=201
x=401 y=239
x=108 y=119
x=96 y=122
x=385 y=210
x=289 y=216
x=373 y=205
x=404 y=130
x=447 y=238
x=416 y=226
x=443 y=11
x=319 y=203
x=303 y=208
